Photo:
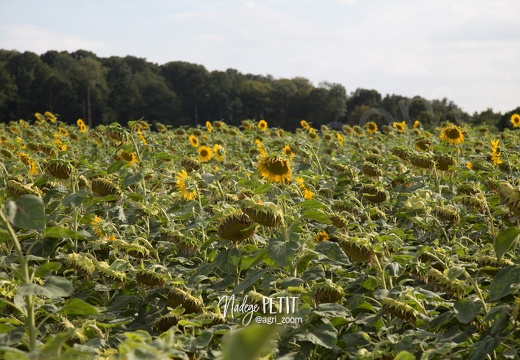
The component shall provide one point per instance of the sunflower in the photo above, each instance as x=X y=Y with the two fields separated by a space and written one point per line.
x=236 y=227
x=205 y=153
x=260 y=148
x=186 y=187
x=340 y=139
x=321 y=236
x=305 y=124
x=416 y=124
x=515 y=120
x=262 y=125
x=495 y=152
x=219 y=152
x=50 y=116
x=194 y=141
x=81 y=125
x=275 y=169
x=452 y=134
x=286 y=151
x=209 y=126
x=399 y=126
x=348 y=130
x=371 y=127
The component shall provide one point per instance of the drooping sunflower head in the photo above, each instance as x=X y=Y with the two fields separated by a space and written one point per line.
x=190 y=303
x=59 y=168
x=328 y=292
x=452 y=134
x=186 y=185
x=262 y=125
x=347 y=129
x=236 y=227
x=422 y=161
x=400 y=310
x=194 y=141
x=263 y=213
x=190 y=164
x=515 y=120
x=104 y=187
x=443 y=162
x=373 y=193
x=371 y=127
x=423 y=144
x=205 y=153
x=358 y=130
x=275 y=169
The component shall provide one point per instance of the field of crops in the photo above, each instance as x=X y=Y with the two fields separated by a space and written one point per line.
x=149 y=242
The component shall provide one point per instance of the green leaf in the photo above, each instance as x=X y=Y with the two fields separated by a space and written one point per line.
x=454 y=272
x=131 y=179
x=55 y=343
x=75 y=199
x=208 y=178
x=250 y=261
x=115 y=166
x=404 y=355
x=228 y=260
x=317 y=216
x=250 y=280
x=27 y=212
x=263 y=189
x=484 y=347
x=203 y=339
x=505 y=239
x=55 y=287
x=332 y=251
x=282 y=252
x=325 y=336
x=506 y=282
x=311 y=204
x=60 y=232
x=77 y=306
x=249 y=342
x=45 y=269
x=12 y=337
x=466 y=310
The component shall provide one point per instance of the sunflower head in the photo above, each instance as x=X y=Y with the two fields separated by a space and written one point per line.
x=190 y=303
x=358 y=130
x=165 y=322
x=399 y=126
x=452 y=134
x=515 y=120
x=190 y=164
x=194 y=141
x=373 y=194
x=372 y=170
x=149 y=278
x=400 y=310
x=304 y=124
x=262 y=125
x=422 y=161
x=263 y=213
x=275 y=169
x=357 y=248
x=371 y=127
x=186 y=185
x=447 y=214
x=219 y=152
x=401 y=152
x=328 y=292
x=347 y=129
x=443 y=162
x=205 y=153
x=287 y=152
x=423 y=144
x=236 y=227
x=104 y=187
x=60 y=169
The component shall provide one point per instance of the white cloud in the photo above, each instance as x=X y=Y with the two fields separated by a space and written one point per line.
x=28 y=37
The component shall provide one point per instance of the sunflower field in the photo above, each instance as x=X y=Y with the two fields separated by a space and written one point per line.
x=394 y=241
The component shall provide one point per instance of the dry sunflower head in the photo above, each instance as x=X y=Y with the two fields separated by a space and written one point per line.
x=236 y=227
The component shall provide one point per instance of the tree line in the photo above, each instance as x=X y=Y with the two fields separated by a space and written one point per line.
x=101 y=90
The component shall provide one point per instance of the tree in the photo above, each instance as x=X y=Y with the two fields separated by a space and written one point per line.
x=88 y=72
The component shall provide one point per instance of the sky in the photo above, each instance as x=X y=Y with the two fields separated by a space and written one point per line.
x=467 y=51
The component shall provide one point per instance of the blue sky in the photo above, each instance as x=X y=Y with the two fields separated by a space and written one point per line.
x=465 y=50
